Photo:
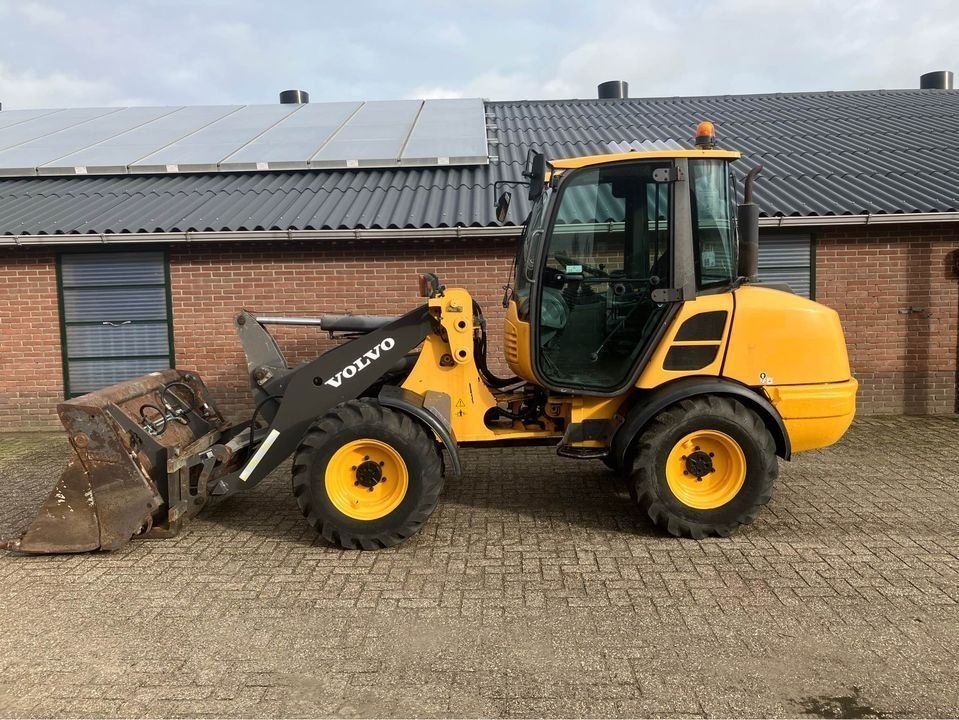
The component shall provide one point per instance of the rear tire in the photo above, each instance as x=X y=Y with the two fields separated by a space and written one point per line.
x=704 y=467
x=367 y=477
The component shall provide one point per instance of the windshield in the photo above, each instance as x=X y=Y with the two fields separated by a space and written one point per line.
x=526 y=254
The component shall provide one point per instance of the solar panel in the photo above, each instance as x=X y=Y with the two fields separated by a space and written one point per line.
x=204 y=149
x=13 y=117
x=448 y=132
x=242 y=137
x=374 y=135
x=45 y=149
x=23 y=133
x=291 y=143
x=116 y=154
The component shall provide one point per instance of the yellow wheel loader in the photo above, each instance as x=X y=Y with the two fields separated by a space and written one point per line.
x=636 y=333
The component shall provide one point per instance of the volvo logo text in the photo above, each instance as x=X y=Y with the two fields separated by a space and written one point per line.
x=361 y=363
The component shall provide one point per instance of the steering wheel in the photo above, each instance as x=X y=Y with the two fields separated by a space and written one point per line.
x=566 y=261
x=636 y=287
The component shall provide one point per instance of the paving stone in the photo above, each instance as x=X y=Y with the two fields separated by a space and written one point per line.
x=535 y=590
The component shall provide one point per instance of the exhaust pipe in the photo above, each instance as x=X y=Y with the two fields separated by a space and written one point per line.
x=748 y=224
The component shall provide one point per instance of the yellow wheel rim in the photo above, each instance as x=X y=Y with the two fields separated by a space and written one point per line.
x=706 y=469
x=366 y=479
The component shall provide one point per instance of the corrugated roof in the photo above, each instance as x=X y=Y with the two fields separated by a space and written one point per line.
x=842 y=153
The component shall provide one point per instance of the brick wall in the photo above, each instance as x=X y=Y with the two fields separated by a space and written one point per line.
x=906 y=361
x=898 y=297
x=209 y=283
x=31 y=373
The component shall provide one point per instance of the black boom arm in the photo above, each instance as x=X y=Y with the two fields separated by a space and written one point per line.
x=309 y=391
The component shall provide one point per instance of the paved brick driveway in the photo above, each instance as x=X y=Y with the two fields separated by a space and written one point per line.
x=534 y=590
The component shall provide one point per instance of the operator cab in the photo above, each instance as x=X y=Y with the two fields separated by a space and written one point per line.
x=611 y=248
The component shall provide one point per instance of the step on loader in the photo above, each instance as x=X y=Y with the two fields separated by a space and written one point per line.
x=637 y=333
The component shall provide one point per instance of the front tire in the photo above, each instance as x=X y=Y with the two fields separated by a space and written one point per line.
x=704 y=467
x=367 y=477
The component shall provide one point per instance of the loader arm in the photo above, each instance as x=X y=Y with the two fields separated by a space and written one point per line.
x=147 y=460
x=310 y=390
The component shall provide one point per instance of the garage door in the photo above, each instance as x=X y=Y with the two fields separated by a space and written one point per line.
x=115 y=318
x=786 y=259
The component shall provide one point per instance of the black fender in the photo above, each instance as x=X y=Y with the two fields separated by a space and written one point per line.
x=414 y=404
x=670 y=394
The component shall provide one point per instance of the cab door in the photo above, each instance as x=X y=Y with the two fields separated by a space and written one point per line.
x=605 y=265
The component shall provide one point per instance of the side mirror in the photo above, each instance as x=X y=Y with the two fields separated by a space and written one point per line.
x=536 y=172
x=502 y=206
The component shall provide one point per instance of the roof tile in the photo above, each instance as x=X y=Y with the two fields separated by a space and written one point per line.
x=835 y=153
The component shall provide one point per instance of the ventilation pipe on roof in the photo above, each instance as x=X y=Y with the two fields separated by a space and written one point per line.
x=613 y=90
x=294 y=97
x=936 y=80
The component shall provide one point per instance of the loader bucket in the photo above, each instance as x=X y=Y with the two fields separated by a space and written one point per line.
x=127 y=477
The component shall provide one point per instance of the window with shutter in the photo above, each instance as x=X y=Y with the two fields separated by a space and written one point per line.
x=115 y=317
x=786 y=259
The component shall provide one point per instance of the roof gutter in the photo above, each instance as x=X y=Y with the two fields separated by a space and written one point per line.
x=261 y=236
x=423 y=233
x=864 y=219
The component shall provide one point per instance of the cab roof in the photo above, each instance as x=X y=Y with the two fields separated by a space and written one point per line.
x=666 y=154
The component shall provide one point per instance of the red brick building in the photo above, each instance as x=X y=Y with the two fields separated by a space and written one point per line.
x=113 y=272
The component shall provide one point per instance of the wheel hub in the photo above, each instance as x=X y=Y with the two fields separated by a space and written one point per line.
x=366 y=479
x=368 y=474
x=699 y=464
x=705 y=469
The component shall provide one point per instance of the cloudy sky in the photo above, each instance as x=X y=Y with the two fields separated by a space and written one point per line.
x=168 y=52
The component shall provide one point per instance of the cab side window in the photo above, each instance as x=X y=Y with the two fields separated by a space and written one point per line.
x=606 y=252
x=713 y=243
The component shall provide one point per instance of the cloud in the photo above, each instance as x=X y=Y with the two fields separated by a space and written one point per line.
x=24 y=89
x=491 y=85
x=245 y=51
x=41 y=14
x=423 y=92
x=738 y=46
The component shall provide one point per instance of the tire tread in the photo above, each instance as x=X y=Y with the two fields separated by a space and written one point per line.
x=365 y=411
x=644 y=481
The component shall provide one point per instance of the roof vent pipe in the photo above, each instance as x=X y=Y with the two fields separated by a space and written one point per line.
x=936 y=80
x=613 y=90
x=294 y=97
